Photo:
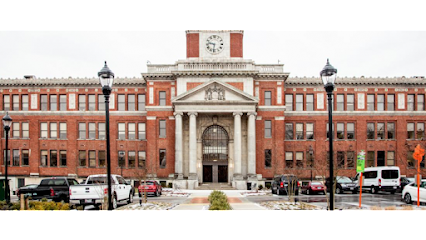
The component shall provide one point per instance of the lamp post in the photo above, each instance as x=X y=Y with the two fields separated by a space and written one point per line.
x=328 y=77
x=311 y=154
x=7 y=121
x=106 y=79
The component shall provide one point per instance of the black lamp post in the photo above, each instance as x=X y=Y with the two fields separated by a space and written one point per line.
x=7 y=121
x=311 y=154
x=106 y=79
x=328 y=76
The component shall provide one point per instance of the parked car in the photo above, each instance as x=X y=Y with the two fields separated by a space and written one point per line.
x=96 y=188
x=151 y=187
x=342 y=184
x=282 y=184
x=55 y=188
x=405 y=181
x=313 y=187
x=409 y=193
x=380 y=179
x=24 y=188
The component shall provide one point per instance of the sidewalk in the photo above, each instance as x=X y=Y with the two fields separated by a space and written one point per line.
x=198 y=201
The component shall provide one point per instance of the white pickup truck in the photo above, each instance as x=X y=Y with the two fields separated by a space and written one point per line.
x=95 y=190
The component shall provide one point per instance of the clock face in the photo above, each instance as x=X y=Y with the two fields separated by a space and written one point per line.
x=214 y=44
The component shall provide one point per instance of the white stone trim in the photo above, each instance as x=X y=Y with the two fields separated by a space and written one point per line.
x=279 y=118
x=151 y=118
x=159 y=108
x=271 y=108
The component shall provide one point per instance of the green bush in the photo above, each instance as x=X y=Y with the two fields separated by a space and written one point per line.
x=10 y=206
x=170 y=185
x=218 y=201
x=268 y=185
x=260 y=187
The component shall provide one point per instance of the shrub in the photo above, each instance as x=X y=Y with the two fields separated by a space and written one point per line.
x=44 y=205
x=170 y=185
x=163 y=184
x=260 y=187
x=268 y=185
x=218 y=201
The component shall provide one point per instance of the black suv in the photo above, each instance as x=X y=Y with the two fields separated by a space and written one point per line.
x=282 y=184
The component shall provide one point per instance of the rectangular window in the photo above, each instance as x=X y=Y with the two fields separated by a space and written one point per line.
x=299 y=102
x=53 y=158
x=141 y=131
x=340 y=102
x=92 y=102
x=370 y=102
x=391 y=130
x=289 y=131
x=141 y=102
x=25 y=130
x=268 y=158
x=410 y=102
x=162 y=128
x=82 y=158
x=391 y=159
x=340 y=159
x=92 y=158
x=328 y=132
x=370 y=131
x=101 y=130
x=391 y=102
x=6 y=102
x=268 y=129
x=43 y=102
x=162 y=98
x=268 y=98
x=82 y=102
x=310 y=159
x=370 y=159
x=289 y=102
x=82 y=130
x=141 y=159
x=132 y=131
x=121 y=102
x=309 y=131
x=53 y=130
x=340 y=130
x=121 y=131
x=15 y=130
x=299 y=131
x=420 y=131
x=24 y=102
x=6 y=157
x=410 y=159
x=350 y=156
x=420 y=102
x=63 y=158
x=102 y=158
x=380 y=102
x=380 y=131
x=101 y=102
x=132 y=159
x=25 y=157
x=62 y=102
x=350 y=102
x=288 y=159
x=350 y=130
x=53 y=102
x=410 y=130
x=131 y=102
x=43 y=130
x=92 y=130
x=43 y=158
x=63 y=130
x=15 y=157
x=309 y=102
x=121 y=159
x=15 y=102
x=162 y=158
x=299 y=159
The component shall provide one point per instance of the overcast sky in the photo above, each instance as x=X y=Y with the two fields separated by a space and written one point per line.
x=81 y=54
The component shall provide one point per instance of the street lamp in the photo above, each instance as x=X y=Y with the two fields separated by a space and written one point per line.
x=7 y=121
x=106 y=79
x=311 y=154
x=328 y=76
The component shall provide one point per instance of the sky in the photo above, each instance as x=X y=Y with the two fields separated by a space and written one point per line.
x=82 y=53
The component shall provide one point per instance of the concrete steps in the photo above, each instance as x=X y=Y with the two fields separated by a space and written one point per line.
x=215 y=186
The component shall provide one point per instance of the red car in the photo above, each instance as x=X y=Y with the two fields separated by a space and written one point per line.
x=151 y=187
x=313 y=187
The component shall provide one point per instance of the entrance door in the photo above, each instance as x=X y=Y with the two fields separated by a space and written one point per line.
x=207 y=173
x=380 y=158
x=222 y=173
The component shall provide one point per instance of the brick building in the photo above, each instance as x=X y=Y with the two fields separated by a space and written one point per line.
x=212 y=117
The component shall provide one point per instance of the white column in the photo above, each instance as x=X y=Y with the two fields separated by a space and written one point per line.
x=237 y=145
x=178 y=145
x=192 y=145
x=251 y=143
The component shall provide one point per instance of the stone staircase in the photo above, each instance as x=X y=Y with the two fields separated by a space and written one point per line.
x=215 y=186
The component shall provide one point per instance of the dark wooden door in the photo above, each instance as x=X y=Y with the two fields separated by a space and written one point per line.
x=222 y=173
x=207 y=173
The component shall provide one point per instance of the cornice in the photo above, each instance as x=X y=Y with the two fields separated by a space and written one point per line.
x=67 y=82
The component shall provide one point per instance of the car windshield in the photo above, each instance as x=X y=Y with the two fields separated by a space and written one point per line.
x=344 y=180
x=149 y=183
x=316 y=184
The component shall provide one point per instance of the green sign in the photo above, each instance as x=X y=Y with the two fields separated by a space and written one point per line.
x=360 y=162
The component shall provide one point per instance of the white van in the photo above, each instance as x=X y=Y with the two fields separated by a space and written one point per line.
x=380 y=179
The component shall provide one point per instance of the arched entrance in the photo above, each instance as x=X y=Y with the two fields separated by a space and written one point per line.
x=215 y=154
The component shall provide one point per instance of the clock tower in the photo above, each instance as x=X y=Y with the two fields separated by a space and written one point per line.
x=209 y=44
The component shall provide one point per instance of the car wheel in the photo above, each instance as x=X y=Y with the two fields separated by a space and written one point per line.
x=130 y=198
x=373 y=190
x=114 y=202
x=392 y=192
x=354 y=192
x=156 y=193
x=307 y=192
x=338 y=190
x=278 y=191
x=297 y=193
x=407 y=198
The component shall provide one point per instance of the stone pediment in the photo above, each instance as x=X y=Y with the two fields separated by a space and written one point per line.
x=215 y=92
